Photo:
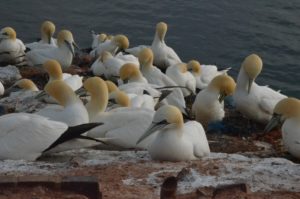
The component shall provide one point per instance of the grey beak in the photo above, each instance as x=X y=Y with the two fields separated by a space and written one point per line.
x=275 y=121
x=9 y=90
x=71 y=48
x=76 y=46
x=250 y=85
x=152 y=128
x=221 y=97
x=41 y=95
x=119 y=50
x=81 y=92
x=49 y=38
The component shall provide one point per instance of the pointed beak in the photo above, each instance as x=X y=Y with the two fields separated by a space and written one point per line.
x=76 y=46
x=125 y=81
x=250 y=85
x=119 y=50
x=275 y=121
x=152 y=128
x=9 y=90
x=81 y=92
x=49 y=37
x=71 y=48
x=222 y=97
x=41 y=95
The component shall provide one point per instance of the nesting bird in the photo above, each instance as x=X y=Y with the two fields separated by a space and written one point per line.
x=27 y=136
x=254 y=101
x=164 y=56
x=182 y=77
x=123 y=125
x=71 y=109
x=54 y=70
x=208 y=106
x=130 y=73
x=98 y=39
x=156 y=77
x=114 y=46
x=64 y=53
x=204 y=73
x=47 y=32
x=11 y=48
x=21 y=86
x=287 y=113
x=175 y=140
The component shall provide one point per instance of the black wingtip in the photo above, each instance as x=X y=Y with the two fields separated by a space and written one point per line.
x=72 y=133
x=27 y=49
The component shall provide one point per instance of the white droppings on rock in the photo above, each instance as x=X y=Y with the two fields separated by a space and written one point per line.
x=9 y=74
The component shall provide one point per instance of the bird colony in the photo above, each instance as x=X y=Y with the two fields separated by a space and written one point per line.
x=142 y=97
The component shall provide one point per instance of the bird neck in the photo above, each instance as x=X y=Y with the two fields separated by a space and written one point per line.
x=242 y=80
x=97 y=104
x=157 y=39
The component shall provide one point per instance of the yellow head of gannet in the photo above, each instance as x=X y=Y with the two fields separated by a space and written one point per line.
x=47 y=31
x=161 y=30
x=102 y=37
x=105 y=55
x=111 y=86
x=26 y=84
x=182 y=67
x=99 y=95
x=146 y=57
x=252 y=66
x=54 y=70
x=63 y=93
x=66 y=37
x=121 y=41
x=121 y=98
x=8 y=33
x=284 y=109
x=195 y=67
x=129 y=71
x=166 y=115
x=110 y=37
x=224 y=84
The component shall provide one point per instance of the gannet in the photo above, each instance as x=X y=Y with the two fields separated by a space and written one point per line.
x=208 y=105
x=182 y=77
x=252 y=100
x=26 y=136
x=156 y=77
x=71 y=109
x=97 y=39
x=204 y=73
x=21 y=86
x=287 y=113
x=54 y=70
x=11 y=48
x=164 y=55
x=112 y=65
x=47 y=31
x=175 y=140
x=131 y=100
x=124 y=124
x=64 y=53
x=114 y=46
x=130 y=73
